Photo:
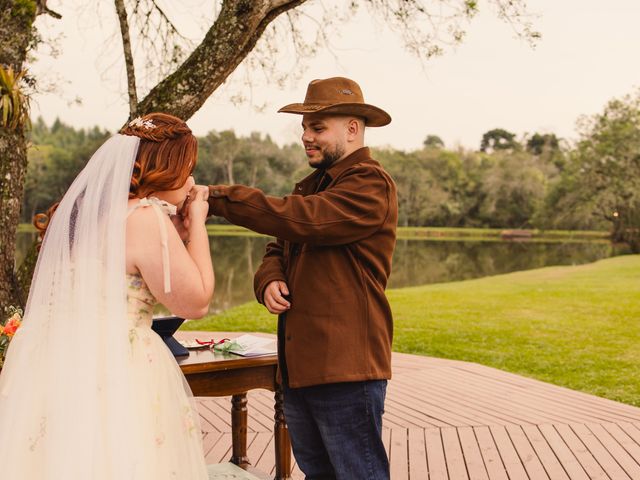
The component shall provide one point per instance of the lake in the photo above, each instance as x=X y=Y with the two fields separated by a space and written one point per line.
x=415 y=262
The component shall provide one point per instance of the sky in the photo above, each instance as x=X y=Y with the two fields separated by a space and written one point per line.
x=588 y=55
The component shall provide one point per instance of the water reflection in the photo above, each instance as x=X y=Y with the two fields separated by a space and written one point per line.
x=418 y=262
x=415 y=262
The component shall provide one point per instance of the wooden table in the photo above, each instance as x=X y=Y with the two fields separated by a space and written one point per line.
x=216 y=374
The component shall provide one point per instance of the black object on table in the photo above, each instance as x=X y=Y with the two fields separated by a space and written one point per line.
x=166 y=327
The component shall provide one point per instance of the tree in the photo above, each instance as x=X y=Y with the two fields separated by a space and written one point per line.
x=603 y=180
x=513 y=189
x=498 y=139
x=234 y=33
x=433 y=141
x=540 y=143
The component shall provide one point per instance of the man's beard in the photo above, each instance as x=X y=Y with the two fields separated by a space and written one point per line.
x=329 y=158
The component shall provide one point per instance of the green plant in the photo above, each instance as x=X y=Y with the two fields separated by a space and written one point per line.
x=14 y=102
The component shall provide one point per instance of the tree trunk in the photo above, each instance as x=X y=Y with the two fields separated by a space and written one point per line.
x=16 y=36
x=13 y=165
x=229 y=168
x=128 y=58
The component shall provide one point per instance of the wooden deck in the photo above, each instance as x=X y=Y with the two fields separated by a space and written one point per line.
x=455 y=420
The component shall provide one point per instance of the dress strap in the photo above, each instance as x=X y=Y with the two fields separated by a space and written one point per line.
x=161 y=208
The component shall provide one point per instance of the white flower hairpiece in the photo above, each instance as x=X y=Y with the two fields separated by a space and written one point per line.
x=138 y=122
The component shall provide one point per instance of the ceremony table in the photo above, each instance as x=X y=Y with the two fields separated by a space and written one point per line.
x=215 y=374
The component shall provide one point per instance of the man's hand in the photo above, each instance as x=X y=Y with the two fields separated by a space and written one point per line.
x=274 y=297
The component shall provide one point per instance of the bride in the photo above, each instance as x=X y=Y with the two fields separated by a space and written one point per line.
x=88 y=390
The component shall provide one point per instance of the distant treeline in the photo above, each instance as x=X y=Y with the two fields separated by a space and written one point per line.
x=535 y=182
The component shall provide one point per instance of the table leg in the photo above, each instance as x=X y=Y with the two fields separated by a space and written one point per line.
x=281 y=438
x=239 y=429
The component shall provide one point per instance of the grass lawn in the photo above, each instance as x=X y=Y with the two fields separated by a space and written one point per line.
x=577 y=326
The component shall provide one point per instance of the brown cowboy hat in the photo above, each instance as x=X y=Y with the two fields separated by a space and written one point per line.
x=340 y=96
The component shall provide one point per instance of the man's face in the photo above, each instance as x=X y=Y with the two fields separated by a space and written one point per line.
x=324 y=138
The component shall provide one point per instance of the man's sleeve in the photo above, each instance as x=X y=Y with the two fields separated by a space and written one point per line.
x=352 y=209
x=272 y=268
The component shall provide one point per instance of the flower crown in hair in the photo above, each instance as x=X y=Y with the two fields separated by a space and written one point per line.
x=138 y=122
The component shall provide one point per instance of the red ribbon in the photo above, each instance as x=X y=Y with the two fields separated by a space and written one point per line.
x=212 y=343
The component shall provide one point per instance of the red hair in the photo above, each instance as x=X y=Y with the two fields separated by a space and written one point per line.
x=166 y=156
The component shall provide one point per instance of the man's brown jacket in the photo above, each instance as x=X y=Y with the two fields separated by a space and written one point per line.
x=335 y=238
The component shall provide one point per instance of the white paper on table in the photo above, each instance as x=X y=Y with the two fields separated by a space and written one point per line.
x=252 y=346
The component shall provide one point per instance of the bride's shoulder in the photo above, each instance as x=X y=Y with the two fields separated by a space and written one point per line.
x=143 y=219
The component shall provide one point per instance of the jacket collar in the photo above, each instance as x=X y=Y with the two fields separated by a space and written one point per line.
x=355 y=157
x=311 y=183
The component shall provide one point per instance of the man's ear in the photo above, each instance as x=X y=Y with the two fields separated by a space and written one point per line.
x=355 y=128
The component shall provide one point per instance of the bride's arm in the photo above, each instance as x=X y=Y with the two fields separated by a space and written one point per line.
x=190 y=267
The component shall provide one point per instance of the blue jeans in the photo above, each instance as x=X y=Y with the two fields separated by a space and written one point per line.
x=336 y=430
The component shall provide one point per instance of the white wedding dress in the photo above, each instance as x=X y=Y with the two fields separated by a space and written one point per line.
x=88 y=390
x=170 y=418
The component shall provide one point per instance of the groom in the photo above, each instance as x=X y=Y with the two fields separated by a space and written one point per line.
x=325 y=277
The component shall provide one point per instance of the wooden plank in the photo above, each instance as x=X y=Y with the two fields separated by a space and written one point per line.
x=398 y=454
x=616 y=450
x=436 y=460
x=544 y=452
x=568 y=398
x=262 y=410
x=564 y=454
x=632 y=430
x=209 y=439
x=500 y=403
x=584 y=456
x=433 y=399
x=510 y=459
x=422 y=398
x=417 y=454
x=221 y=451
x=210 y=414
x=490 y=454
x=256 y=452
x=602 y=455
x=420 y=412
x=527 y=454
x=472 y=456
x=453 y=453
x=531 y=404
x=624 y=440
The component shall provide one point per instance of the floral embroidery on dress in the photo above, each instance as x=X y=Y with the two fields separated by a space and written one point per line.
x=189 y=423
x=33 y=442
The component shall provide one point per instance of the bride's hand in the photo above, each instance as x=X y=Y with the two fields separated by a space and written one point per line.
x=198 y=206
x=180 y=223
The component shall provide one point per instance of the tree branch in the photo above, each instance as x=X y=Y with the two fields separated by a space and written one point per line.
x=128 y=58
x=43 y=9
x=233 y=35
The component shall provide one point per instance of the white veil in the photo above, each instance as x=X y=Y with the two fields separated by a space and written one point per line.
x=65 y=391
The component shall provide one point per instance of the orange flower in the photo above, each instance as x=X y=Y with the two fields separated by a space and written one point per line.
x=1 y=329
x=12 y=325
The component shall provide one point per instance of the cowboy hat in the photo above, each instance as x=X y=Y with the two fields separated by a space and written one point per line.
x=339 y=96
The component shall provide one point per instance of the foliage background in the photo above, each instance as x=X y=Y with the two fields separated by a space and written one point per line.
x=538 y=181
